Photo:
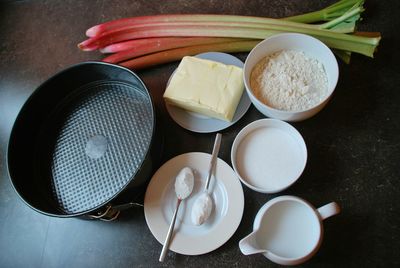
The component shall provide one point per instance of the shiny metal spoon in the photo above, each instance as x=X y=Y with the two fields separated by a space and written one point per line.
x=181 y=193
x=214 y=157
x=204 y=203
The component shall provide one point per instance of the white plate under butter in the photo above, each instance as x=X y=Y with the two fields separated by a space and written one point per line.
x=160 y=201
x=203 y=124
x=269 y=155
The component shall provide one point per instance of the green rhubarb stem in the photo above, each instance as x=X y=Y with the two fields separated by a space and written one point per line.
x=347 y=26
x=178 y=53
x=344 y=17
x=331 y=12
x=161 y=44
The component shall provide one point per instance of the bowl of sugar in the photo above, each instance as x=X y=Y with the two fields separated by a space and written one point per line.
x=268 y=155
x=290 y=76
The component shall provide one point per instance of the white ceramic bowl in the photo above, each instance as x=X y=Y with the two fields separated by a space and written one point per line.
x=268 y=155
x=313 y=48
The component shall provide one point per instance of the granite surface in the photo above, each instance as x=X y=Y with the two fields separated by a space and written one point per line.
x=353 y=144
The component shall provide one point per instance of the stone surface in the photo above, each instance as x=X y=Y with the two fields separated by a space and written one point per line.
x=353 y=144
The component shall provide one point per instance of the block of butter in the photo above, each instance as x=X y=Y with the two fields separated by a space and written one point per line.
x=206 y=87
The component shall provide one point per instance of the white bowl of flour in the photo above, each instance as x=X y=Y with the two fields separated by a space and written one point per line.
x=290 y=76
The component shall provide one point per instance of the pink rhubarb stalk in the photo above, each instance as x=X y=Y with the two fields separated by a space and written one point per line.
x=331 y=12
x=348 y=42
x=195 y=28
x=130 y=23
x=159 y=44
x=125 y=45
x=177 y=54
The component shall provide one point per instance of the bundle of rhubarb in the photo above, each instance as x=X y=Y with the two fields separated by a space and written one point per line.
x=141 y=42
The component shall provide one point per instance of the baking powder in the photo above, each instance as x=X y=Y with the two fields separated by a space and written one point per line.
x=289 y=80
x=184 y=183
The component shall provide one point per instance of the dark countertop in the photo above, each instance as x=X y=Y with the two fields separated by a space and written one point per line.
x=353 y=143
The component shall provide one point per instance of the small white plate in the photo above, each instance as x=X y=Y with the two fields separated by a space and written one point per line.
x=269 y=155
x=203 y=124
x=160 y=202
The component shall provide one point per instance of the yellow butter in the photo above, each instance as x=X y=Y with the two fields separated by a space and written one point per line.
x=206 y=87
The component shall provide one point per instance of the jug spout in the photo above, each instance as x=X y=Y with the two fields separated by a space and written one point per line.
x=249 y=245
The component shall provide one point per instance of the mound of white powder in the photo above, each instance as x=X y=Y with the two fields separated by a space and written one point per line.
x=289 y=80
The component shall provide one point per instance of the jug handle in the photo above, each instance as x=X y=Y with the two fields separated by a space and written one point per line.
x=328 y=210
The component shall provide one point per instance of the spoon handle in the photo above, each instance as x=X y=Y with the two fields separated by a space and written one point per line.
x=214 y=157
x=169 y=234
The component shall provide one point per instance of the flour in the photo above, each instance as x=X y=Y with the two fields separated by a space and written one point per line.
x=201 y=209
x=289 y=80
x=184 y=183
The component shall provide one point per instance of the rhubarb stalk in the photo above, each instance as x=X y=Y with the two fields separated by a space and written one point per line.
x=159 y=44
x=177 y=54
x=329 y=13
x=351 y=43
x=121 y=30
x=148 y=40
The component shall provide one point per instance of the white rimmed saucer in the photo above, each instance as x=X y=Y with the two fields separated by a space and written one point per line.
x=160 y=201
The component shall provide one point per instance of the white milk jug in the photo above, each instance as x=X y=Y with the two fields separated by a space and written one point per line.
x=287 y=230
